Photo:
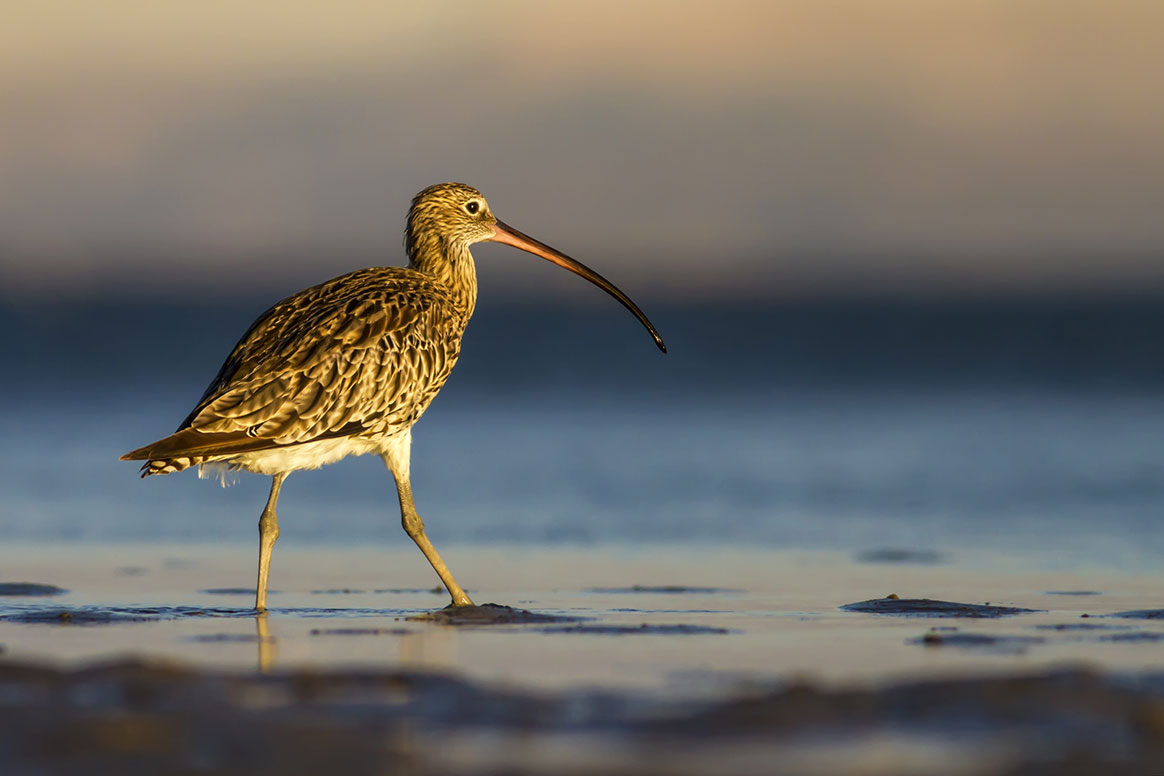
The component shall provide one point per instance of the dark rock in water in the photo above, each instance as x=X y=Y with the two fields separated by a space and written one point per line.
x=487 y=614
x=666 y=589
x=1080 y=626
x=900 y=555
x=1141 y=614
x=1073 y=592
x=361 y=631
x=925 y=607
x=110 y=615
x=435 y=589
x=637 y=630
x=984 y=641
x=1133 y=636
x=229 y=638
x=75 y=617
x=30 y=589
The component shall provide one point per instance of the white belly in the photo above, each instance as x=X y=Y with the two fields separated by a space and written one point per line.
x=309 y=455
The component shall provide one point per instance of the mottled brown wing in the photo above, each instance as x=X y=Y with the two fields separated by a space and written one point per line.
x=358 y=354
x=360 y=361
x=285 y=322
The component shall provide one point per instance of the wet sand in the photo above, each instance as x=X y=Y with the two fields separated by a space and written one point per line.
x=659 y=660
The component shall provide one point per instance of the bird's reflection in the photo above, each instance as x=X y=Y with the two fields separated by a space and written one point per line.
x=426 y=649
x=268 y=651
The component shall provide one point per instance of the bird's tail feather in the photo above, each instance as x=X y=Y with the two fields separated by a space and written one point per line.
x=167 y=465
x=189 y=447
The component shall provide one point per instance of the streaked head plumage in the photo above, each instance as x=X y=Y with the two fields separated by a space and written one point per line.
x=455 y=213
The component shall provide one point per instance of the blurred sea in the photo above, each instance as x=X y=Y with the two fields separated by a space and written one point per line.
x=1030 y=426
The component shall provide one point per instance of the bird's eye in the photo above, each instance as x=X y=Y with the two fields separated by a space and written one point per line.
x=472 y=207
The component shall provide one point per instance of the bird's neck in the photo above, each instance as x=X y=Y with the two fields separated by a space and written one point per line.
x=450 y=264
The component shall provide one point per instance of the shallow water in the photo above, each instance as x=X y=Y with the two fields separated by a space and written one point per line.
x=682 y=620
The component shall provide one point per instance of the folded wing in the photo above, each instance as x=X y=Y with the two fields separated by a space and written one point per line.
x=355 y=355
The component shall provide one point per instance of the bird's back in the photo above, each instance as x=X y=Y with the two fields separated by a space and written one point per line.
x=358 y=356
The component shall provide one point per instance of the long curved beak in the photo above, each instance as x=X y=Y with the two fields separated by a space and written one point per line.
x=507 y=235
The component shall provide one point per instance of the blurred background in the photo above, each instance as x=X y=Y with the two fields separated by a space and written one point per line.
x=908 y=258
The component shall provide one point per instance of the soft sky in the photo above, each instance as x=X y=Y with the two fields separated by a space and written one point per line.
x=728 y=148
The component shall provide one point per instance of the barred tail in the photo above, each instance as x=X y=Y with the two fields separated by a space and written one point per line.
x=189 y=447
x=167 y=465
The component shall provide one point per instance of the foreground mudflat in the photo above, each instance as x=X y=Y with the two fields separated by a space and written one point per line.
x=136 y=717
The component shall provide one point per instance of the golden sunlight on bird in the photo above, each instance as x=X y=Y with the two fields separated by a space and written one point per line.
x=347 y=367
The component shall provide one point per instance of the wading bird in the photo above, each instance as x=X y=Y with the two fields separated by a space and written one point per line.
x=348 y=366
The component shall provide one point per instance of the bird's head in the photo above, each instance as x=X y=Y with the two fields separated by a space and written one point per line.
x=453 y=213
x=447 y=218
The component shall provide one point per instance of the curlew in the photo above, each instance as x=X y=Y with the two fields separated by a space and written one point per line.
x=348 y=366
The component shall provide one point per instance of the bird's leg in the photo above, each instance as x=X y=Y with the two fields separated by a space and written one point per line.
x=396 y=458
x=268 y=533
x=414 y=527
